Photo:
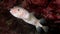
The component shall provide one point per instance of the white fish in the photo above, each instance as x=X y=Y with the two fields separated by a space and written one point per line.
x=23 y=14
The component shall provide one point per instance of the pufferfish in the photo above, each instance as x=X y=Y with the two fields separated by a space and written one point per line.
x=29 y=18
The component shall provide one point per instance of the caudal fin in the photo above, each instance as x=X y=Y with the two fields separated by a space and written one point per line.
x=39 y=29
x=45 y=28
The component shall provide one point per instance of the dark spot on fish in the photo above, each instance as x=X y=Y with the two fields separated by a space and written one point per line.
x=18 y=9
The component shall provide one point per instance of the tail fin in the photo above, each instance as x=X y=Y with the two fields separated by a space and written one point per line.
x=45 y=28
x=42 y=22
x=39 y=29
x=42 y=29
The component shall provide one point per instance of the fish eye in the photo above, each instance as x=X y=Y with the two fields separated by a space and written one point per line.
x=18 y=9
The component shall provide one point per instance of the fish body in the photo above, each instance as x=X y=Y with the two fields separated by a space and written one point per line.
x=23 y=14
x=19 y=13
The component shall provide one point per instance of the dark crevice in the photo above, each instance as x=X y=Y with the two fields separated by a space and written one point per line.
x=1 y=0
x=49 y=1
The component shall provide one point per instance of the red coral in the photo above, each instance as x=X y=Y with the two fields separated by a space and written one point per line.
x=6 y=4
x=48 y=9
x=39 y=2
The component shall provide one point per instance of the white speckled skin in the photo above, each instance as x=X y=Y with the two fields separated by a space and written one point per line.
x=19 y=12
x=23 y=14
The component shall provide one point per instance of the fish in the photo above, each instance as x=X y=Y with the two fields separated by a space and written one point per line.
x=29 y=18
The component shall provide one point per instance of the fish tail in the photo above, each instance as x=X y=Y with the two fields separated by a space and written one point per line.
x=42 y=29
x=39 y=29
x=43 y=21
x=45 y=28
